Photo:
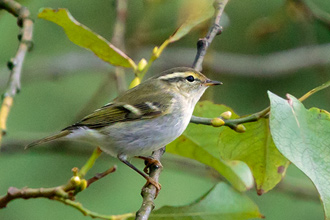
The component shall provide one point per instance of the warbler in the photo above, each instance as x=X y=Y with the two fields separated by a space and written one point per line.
x=143 y=119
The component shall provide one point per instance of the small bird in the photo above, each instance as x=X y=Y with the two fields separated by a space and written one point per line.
x=143 y=119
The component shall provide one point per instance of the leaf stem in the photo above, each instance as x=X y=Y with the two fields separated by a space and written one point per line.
x=89 y=164
x=315 y=90
x=92 y=214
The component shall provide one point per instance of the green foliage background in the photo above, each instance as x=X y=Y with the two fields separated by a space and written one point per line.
x=59 y=78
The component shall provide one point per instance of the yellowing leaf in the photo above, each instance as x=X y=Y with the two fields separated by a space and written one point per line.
x=256 y=148
x=84 y=37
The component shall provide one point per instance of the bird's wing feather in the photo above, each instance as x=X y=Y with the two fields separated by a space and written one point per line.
x=121 y=112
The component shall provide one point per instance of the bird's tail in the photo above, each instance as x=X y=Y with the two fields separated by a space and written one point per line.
x=48 y=139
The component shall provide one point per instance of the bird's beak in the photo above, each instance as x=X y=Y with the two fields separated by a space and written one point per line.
x=209 y=82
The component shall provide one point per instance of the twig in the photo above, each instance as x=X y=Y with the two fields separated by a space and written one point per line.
x=92 y=214
x=232 y=123
x=236 y=124
x=101 y=175
x=118 y=40
x=149 y=191
x=204 y=43
x=67 y=192
x=15 y=64
x=89 y=164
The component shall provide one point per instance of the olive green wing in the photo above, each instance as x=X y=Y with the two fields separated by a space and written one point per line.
x=121 y=112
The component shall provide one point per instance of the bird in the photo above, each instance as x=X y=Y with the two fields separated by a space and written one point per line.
x=142 y=119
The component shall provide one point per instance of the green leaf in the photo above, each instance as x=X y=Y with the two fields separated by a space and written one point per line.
x=198 y=12
x=84 y=37
x=199 y=142
x=221 y=202
x=256 y=148
x=303 y=136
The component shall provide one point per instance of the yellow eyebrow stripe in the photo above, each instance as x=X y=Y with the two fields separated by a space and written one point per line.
x=177 y=75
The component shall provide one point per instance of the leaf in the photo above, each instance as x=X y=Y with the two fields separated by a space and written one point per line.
x=199 y=142
x=197 y=12
x=303 y=136
x=221 y=202
x=256 y=148
x=84 y=37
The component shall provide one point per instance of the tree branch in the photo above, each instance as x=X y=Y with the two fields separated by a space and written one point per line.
x=15 y=64
x=204 y=43
x=67 y=192
x=236 y=124
x=149 y=191
x=92 y=214
x=118 y=40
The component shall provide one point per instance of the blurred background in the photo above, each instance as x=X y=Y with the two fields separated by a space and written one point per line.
x=281 y=46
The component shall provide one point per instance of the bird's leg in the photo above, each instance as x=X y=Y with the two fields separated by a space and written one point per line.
x=150 y=180
x=149 y=161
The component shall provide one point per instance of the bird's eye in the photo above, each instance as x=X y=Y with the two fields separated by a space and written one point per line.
x=190 y=78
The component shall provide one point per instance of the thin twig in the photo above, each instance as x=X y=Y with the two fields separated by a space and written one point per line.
x=234 y=123
x=92 y=214
x=89 y=164
x=15 y=64
x=101 y=175
x=118 y=40
x=204 y=43
x=67 y=192
x=149 y=192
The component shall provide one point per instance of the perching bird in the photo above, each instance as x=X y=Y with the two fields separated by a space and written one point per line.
x=143 y=119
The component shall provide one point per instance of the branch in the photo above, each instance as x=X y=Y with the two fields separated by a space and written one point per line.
x=236 y=124
x=149 y=191
x=67 y=192
x=216 y=29
x=15 y=64
x=87 y=212
x=118 y=40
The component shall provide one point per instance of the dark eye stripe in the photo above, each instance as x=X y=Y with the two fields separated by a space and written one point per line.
x=180 y=78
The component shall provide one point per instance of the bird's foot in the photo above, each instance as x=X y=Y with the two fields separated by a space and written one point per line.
x=150 y=162
x=154 y=183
